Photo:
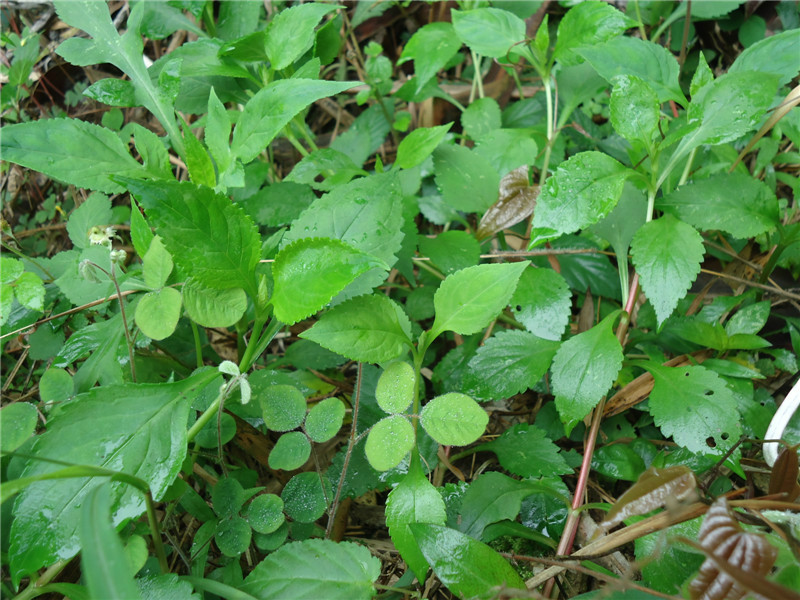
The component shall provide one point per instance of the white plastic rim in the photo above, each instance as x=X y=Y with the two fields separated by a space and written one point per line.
x=779 y=422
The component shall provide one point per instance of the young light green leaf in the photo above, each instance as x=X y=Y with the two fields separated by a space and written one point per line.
x=419 y=144
x=141 y=236
x=467 y=182
x=325 y=420
x=432 y=46
x=582 y=191
x=488 y=31
x=695 y=407
x=73 y=151
x=542 y=303
x=366 y=329
x=776 y=54
x=310 y=272
x=525 y=450
x=29 y=291
x=283 y=407
x=218 y=132
x=584 y=368
x=388 y=442
x=265 y=513
x=586 y=24
x=508 y=363
x=466 y=566
x=198 y=162
x=290 y=452
x=414 y=500
x=634 y=109
x=304 y=498
x=315 y=569
x=467 y=300
x=650 y=62
x=667 y=254
x=291 y=32
x=703 y=75
x=209 y=307
x=454 y=419
x=490 y=498
x=157 y=313
x=157 y=264
x=732 y=202
x=271 y=109
x=139 y=429
x=207 y=235
x=395 y=390
x=17 y=424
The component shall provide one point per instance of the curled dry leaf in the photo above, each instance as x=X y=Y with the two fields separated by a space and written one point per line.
x=746 y=553
x=783 y=479
x=654 y=489
x=516 y=201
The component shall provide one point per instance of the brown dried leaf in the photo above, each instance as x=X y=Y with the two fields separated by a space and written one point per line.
x=736 y=561
x=783 y=479
x=653 y=489
x=516 y=202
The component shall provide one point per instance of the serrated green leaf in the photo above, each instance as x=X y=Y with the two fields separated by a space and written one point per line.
x=466 y=566
x=491 y=497
x=454 y=419
x=582 y=191
x=138 y=429
x=315 y=569
x=395 y=390
x=210 y=307
x=508 y=363
x=283 y=406
x=693 y=404
x=432 y=46
x=207 y=235
x=585 y=24
x=414 y=500
x=481 y=117
x=634 y=109
x=290 y=452
x=271 y=109
x=141 y=236
x=366 y=329
x=157 y=313
x=466 y=181
x=17 y=424
x=265 y=513
x=198 y=161
x=667 y=254
x=291 y=32
x=29 y=290
x=337 y=168
x=10 y=269
x=488 y=31
x=388 y=442
x=776 y=54
x=419 y=144
x=525 y=450
x=325 y=420
x=732 y=202
x=310 y=272
x=467 y=300
x=304 y=499
x=583 y=370
x=703 y=75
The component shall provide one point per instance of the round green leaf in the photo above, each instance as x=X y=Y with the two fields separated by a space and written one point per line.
x=17 y=424
x=283 y=407
x=211 y=307
x=158 y=312
x=232 y=536
x=325 y=420
x=267 y=542
x=265 y=513
x=395 y=390
x=454 y=419
x=55 y=385
x=227 y=497
x=207 y=436
x=304 y=499
x=290 y=452
x=388 y=442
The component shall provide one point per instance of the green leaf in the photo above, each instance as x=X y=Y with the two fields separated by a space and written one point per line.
x=509 y=363
x=491 y=497
x=141 y=236
x=290 y=452
x=10 y=269
x=366 y=329
x=283 y=406
x=105 y=567
x=291 y=32
x=432 y=46
x=454 y=419
x=413 y=500
x=233 y=535
x=466 y=181
x=265 y=513
x=622 y=223
x=157 y=264
x=29 y=291
x=582 y=191
x=310 y=272
x=157 y=313
x=17 y=424
x=198 y=162
x=667 y=254
x=315 y=569
x=419 y=144
x=94 y=212
x=228 y=496
x=304 y=498
x=55 y=385
x=271 y=109
x=325 y=420
x=337 y=168
x=209 y=307
x=395 y=390
x=584 y=368
x=481 y=117
x=218 y=132
x=634 y=109
x=693 y=405
x=451 y=251
x=648 y=61
x=207 y=235
x=732 y=202
x=488 y=31
x=137 y=429
x=618 y=461
x=507 y=149
x=388 y=442
x=525 y=450
x=703 y=75
x=586 y=24
x=776 y=54
x=467 y=300
x=466 y=566
x=749 y=320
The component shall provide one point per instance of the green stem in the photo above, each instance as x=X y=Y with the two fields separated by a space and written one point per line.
x=155 y=530
x=198 y=346
x=477 y=80
x=293 y=140
x=306 y=136
x=423 y=264
x=254 y=350
x=207 y=415
x=651 y=205
x=687 y=169
x=642 y=31
x=51 y=573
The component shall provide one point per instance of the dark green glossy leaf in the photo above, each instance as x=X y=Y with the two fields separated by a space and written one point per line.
x=233 y=535
x=112 y=91
x=634 y=109
x=776 y=54
x=618 y=461
x=265 y=513
x=283 y=406
x=490 y=498
x=526 y=451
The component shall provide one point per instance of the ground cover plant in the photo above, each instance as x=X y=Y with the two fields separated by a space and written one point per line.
x=400 y=299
